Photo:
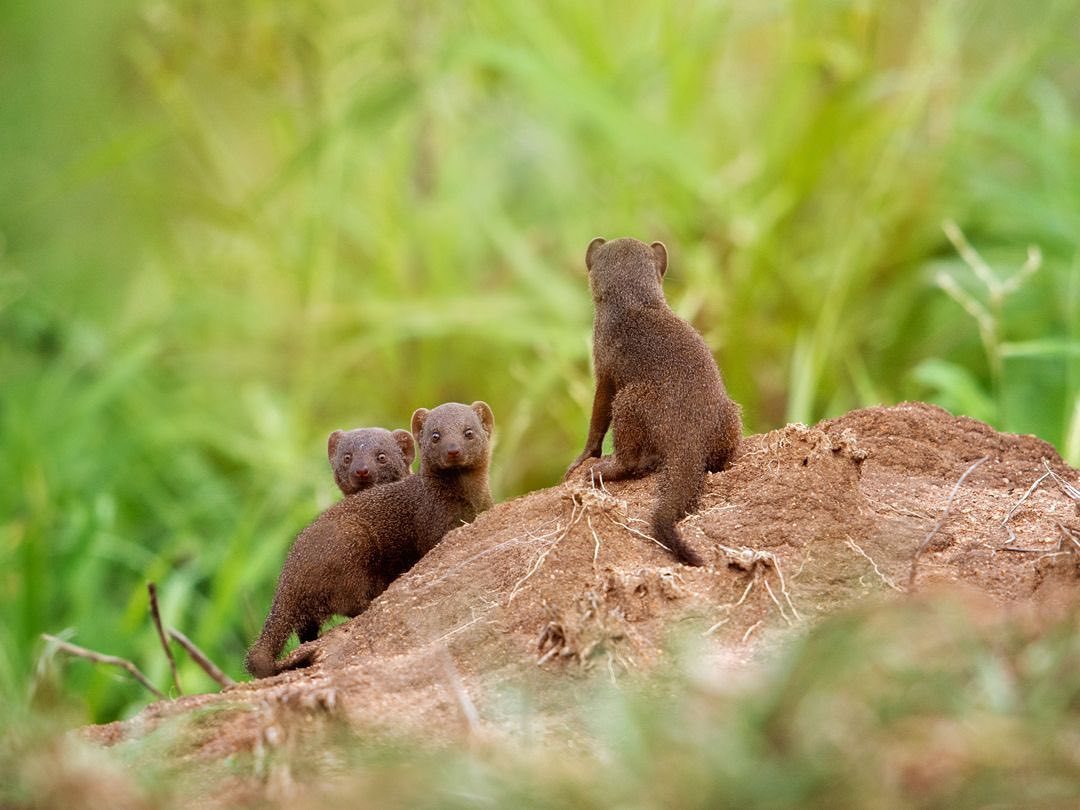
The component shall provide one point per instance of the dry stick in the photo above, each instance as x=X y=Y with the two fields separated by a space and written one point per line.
x=944 y=514
x=1068 y=488
x=199 y=657
x=152 y=588
x=99 y=658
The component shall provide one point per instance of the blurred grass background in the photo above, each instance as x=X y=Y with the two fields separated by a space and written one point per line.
x=227 y=229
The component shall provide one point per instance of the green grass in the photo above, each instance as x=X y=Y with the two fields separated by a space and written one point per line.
x=228 y=229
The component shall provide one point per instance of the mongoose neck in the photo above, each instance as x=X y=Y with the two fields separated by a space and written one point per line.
x=469 y=482
x=629 y=299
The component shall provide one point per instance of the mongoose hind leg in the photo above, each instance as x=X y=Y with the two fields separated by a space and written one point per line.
x=725 y=439
x=308 y=631
x=634 y=454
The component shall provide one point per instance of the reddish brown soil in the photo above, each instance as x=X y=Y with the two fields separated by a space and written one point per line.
x=545 y=587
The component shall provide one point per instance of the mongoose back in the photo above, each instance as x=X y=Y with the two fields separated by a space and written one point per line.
x=366 y=457
x=657 y=387
x=357 y=547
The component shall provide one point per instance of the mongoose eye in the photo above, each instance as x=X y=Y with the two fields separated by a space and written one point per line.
x=434 y=438
x=469 y=433
x=381 y=458
x=348 y=458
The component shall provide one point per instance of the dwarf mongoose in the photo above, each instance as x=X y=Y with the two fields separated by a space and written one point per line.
x=357 y=547
x=366 y=457
x=657 y=387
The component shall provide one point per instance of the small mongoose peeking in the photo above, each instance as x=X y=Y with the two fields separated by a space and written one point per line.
x=358 y=546
x=657 y=387
x=366 y=457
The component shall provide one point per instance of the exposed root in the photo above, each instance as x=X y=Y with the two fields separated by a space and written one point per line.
x=855 y=547
x=1066 y=487
x=944 y=514
x=777 y=601
x=1005 y=522
x=596 y=540
x=751 y=629
x=467 y=624
x=513 y=541
x=732 y=606
x=541 y=557
x=592 y=627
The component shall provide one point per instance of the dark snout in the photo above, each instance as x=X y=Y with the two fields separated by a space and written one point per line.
x=361 y=473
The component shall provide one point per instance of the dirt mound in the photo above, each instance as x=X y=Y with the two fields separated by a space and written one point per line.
x=541 y=588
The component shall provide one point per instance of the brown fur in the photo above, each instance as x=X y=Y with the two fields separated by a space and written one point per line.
x=657 y=387
x=357 y=547
x=366 y=457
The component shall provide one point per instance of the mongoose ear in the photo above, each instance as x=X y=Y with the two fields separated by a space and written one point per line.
x=332 y=443
x=660 y=255
x=590 y=251
x=483 y=412
x=405 y=442
x=418 y=418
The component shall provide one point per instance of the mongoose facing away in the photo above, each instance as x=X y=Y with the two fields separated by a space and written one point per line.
x=366 y=457
x=657 y=387
x=357 y=547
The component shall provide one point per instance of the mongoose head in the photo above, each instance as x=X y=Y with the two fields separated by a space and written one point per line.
x=365 y=457
x=626 y=271
x=453 y=436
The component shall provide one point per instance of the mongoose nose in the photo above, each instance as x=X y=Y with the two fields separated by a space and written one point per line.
x=453 y=451
x=362 y=472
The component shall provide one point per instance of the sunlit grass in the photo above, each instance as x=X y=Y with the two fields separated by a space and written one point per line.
x=229 y=229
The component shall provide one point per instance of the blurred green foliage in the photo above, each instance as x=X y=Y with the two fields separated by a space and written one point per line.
x=908 y=703
x=229 y=228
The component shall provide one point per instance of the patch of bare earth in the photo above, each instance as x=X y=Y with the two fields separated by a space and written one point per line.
x=806 y=520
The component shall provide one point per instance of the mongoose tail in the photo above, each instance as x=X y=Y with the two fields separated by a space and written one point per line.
x=681 y=481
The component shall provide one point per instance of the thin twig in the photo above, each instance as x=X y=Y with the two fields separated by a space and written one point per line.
x=199 y=657
x=151 y=587
x=941 y=520
x=100 y=658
